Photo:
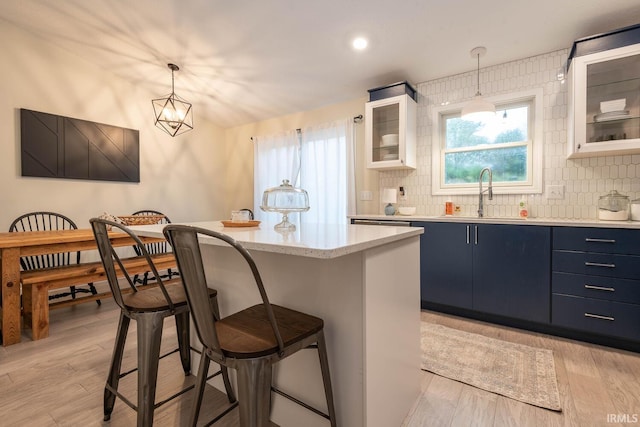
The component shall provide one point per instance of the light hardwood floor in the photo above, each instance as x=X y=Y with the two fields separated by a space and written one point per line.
x=593 y=381
x=59 y=381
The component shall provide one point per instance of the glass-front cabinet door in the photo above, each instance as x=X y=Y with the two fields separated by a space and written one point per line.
x=604 y=93
x=390 y=134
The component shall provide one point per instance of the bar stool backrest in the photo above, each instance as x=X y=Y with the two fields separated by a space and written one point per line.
x=110 y=258
x=186 y=248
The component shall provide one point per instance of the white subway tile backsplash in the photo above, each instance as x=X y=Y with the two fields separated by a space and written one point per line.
x=585 y=180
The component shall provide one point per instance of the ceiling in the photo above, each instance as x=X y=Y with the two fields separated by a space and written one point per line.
x=247 y=60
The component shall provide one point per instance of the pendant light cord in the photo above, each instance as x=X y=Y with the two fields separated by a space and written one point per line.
x=478 y=92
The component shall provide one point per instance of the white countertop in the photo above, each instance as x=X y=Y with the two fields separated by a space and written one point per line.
x=503 y=220
x=309 y=240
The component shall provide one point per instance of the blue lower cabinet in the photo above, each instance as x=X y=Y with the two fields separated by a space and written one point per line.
x=578 y=282
x=446 y=274
x=490 y=268
x=596 y=281
x=512 y=271
x=608 y=318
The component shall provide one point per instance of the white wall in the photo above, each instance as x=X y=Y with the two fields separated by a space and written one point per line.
x=182 y=177
x=584 y=180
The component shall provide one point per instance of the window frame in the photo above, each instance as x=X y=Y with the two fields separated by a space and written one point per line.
x=534 y=147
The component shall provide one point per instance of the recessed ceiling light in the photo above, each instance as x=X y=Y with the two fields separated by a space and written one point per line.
x=360 y=43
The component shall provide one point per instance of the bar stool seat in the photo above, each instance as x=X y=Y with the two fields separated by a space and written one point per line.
x=250 y=341
x=153 y=299
x=248 y=334
x=148 y=307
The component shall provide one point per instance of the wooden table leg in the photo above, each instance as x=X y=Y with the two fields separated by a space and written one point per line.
x=10 y=268
x=38 y=312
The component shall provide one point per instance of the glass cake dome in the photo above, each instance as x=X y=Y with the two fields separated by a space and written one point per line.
x=285 y=199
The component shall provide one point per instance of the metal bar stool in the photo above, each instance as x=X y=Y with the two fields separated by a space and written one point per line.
x=148 y=307
x=250 y=341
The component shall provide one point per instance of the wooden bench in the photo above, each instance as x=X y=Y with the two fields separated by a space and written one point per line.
x=36 y=285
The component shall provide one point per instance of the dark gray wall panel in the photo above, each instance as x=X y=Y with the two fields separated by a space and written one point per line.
x=63 y=147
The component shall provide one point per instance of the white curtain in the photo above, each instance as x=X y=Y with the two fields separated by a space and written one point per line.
x=327 y=172
x=276 y=157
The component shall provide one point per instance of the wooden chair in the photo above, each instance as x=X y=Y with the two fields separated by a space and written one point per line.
x=43 y=221
x=153 y=249
x=250 y=341
x=149 y=308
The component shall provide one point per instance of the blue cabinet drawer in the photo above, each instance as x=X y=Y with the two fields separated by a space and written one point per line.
x=610 y=318
x=597 y=264
x=597 y=287
x=603 y=240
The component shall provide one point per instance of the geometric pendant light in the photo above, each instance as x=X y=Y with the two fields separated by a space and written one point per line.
x=478 y=108
x=173 y=114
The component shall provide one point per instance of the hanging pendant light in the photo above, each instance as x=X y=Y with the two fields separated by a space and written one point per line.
x=173 y=114
x=478 y=108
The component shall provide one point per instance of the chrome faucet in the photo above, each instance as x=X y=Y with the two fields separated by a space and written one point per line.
x=489 y=190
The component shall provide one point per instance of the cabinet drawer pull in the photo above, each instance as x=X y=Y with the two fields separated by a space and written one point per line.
x=599 y=288
x=599 y=264
x=468 y=234
x=591 y=239
x=476 y=233
x=597 y=316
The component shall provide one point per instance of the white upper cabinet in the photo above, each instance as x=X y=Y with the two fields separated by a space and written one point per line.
x=390 y=133
x=604 y=102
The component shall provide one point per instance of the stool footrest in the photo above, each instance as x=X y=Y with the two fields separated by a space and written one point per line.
x=168 y=399
x=300 y=402
x=131 y=371
x=184 y=390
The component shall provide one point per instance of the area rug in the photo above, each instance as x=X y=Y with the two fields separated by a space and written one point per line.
x=516 y=371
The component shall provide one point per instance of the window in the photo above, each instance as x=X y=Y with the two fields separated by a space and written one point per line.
x=510 y=143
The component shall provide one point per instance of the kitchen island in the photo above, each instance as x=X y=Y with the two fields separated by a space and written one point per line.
x=364 y=281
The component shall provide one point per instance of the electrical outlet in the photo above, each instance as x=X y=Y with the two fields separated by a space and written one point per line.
x=555 y=191
x=366 y=195
x=402 y=194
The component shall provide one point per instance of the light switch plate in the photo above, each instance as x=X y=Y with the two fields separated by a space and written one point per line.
x=555 y=192
x=366 y=195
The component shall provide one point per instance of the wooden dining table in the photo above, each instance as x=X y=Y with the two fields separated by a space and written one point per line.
x=14 y=245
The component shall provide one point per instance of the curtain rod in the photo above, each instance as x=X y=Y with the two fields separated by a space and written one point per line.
x=356 y=119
